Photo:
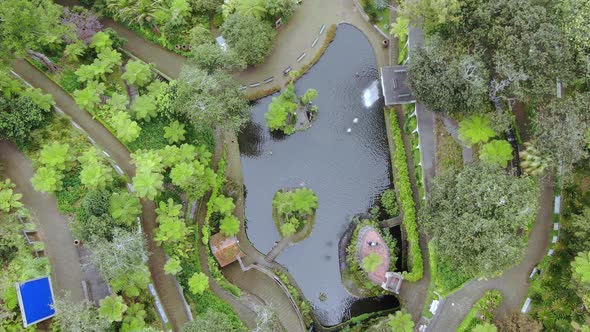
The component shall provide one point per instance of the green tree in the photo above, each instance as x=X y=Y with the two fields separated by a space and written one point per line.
x=126 y=129
x=389 y=203
x=224 y=205
x=401 y=322
x=200 y=35
x=19 y=116
x=174 y=132
x=112 y=308
x=148 y=184
x=44 y=101
x=581 y=275
x=183 y=174
x=94 y=174
x=475 y=218
x=47 y=179
x=309 y=96
x=485 y=327
x=118 y=102
x=125 y=208
x=137 y=73
x=254 y=8
x=247 y=36
x=371 y=262
x=288 y=229
x=92 y=227
x=211 y=321
x=475 y=130
x=168 y=209
x=88 y=97
x=432 y=13
x=28 y=24
x=134 y=318
x=55 y=155
x=74 y=51
x=496 y=152
x=9 y=200
x=210 y=100
x=448 y=83
x=171 y=230
x=198 y=283
x=100 y=41
x=121 y=257
x=133 y=283
x=560 y=132
x=144 y=107
x=172 y=266
x=230 y=225
x=210 y=57
x=280 y=115
x=80 y=316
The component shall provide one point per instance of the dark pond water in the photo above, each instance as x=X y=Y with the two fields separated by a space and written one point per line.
x=346 y=170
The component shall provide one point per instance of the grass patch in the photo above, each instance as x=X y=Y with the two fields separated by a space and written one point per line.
x=448 y=152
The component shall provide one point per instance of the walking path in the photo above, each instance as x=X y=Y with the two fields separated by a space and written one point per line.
x=514 y=283
x=170 y=295
x=453 y=128
x=66 y=271
x=254 y=281
x=293 y=39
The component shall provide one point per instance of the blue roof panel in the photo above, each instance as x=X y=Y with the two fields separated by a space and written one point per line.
x=35 y=298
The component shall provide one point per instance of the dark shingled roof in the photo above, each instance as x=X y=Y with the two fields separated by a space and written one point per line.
x=394 y=85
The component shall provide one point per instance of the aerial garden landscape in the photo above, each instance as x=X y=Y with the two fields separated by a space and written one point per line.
x=294 y=165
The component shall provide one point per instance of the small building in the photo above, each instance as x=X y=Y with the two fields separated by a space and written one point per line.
x=394 y=85
x=225 y=249
x=35 y=299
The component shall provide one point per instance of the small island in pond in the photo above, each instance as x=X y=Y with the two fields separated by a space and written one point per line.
x=289 y=113
x=293 y=211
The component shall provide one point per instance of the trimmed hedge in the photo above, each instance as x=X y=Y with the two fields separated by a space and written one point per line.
x=402 y=177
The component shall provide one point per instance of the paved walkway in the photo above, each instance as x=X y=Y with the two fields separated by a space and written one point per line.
x=453 y=128
x=293 y=39
x=166 y=285
x=66 y=271
x=514 y=283
x=254 y=281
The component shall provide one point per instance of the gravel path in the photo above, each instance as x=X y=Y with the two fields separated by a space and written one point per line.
x=66 y=271
x=170 y=295
x=513 y=283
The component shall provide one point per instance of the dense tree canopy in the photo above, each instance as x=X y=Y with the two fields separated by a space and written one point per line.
x=19 y=115
x=249 y=37
x=561 y=129
x=28 y=24
x=210 y=321
x=401 y=322
x=477 y=218
x=446 y=82
x=210 y=100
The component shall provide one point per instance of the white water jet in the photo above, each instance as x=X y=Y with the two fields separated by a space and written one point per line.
x=355 y=120
x=371 y=94
x=348 y=130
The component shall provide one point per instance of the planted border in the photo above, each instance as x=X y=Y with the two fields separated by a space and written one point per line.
x=402 y=179
x=485 y=306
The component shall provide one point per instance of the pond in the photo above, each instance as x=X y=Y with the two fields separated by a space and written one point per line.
x=347 y=170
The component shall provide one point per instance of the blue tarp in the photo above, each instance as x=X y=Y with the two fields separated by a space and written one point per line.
x=35 y=298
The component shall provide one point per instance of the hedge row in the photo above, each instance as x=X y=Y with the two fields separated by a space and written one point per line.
x=415 y=262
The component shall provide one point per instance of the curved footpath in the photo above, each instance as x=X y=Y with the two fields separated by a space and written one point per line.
x=513 y=283
x=294 y=38
x=166 y=286
x=66 y=271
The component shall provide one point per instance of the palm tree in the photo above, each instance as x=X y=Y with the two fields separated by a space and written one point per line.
x=252 y=8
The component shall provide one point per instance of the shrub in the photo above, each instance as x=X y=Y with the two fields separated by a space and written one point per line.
x=407 y=202
x=69 y=81
x=389 y=203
